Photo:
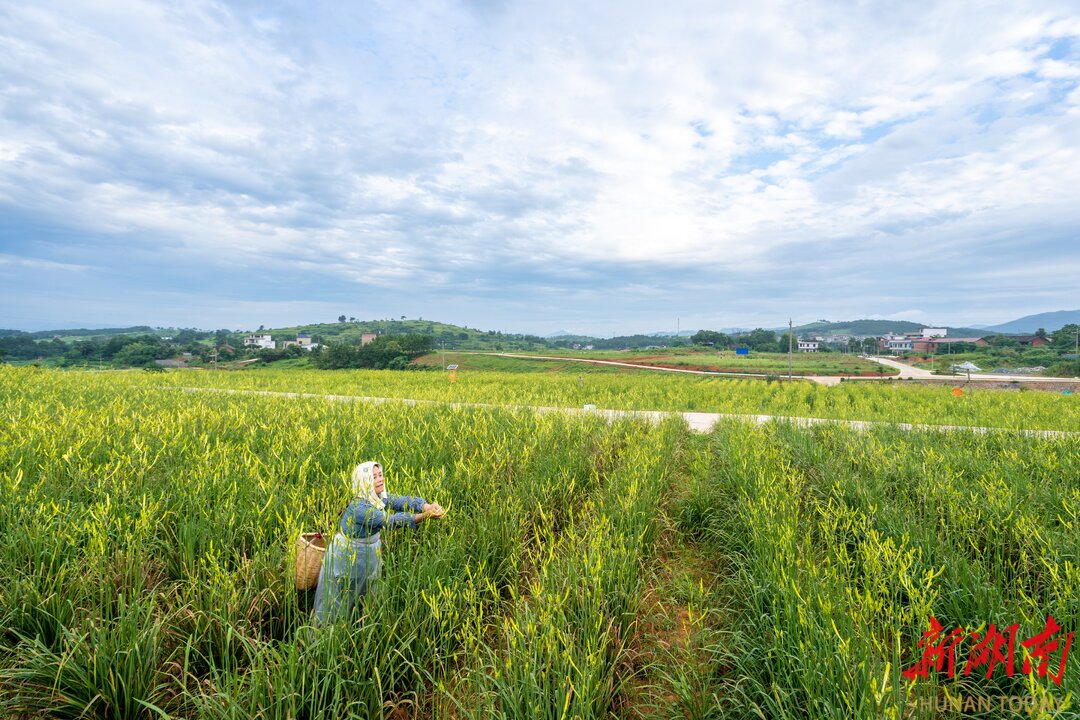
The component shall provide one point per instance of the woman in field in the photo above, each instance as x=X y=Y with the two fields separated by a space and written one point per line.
x=354 y=555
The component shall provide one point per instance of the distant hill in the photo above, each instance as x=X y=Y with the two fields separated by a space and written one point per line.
x=874 y=328
x=454 y=336
x=1049 y=321
x=80 y=332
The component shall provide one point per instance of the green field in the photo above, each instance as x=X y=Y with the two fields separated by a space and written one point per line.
x=694 y=358
x=586 y=569
x=474 y=361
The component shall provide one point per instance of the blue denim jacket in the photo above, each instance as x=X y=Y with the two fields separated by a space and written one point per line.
x=362 y=519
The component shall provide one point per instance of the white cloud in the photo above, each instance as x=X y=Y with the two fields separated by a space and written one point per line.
x=406 y=144
x=18 y=263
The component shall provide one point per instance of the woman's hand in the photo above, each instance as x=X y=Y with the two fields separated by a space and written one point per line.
x=433 y=510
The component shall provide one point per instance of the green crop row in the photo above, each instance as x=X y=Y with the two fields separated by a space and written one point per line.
x=844 y=544
x=146 y=538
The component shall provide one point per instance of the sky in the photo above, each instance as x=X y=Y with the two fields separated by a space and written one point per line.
x=604 y=168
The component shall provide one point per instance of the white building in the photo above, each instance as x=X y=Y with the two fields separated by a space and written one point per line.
x=934 y=332
x=808 y=346
x=897 y=345
x=303 y=340
x=259 y=342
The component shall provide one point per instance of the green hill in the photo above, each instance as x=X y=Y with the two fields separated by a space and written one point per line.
x=453 y=336
x=874 y=328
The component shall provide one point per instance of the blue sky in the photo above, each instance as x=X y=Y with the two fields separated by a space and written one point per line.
x=603 y=168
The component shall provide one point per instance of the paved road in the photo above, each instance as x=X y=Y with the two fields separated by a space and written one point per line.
x=916 y=373
x=697 y=421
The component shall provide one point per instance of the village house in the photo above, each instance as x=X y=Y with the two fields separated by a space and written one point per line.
x=895 y=343
x=940 y=344
x=302 y=340
x=808 y=346
x=259 y=342
x=1030 y=340
x=1022 y=340
x=916 y=340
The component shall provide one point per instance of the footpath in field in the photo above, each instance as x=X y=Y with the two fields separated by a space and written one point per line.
x=697 y=421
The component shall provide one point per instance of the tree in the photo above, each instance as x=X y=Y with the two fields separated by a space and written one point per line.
x=383 y=352
x=710 y=337
x=186 y=337
x=1066 y=338
x=1002 y=341
x=782 y=342
x=341 y=318
x=137 y=353
x=760 y=340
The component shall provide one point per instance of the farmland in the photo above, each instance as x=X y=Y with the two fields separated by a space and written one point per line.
x=585 y=569
x=697 y=358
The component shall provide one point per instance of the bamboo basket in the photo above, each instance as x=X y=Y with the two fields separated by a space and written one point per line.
x=310 y=549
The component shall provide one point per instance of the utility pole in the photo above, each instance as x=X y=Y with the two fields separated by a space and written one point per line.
x=443 y=344
x=789 y=344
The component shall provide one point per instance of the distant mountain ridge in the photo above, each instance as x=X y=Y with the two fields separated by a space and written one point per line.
x=1049 y=321
x=79 y=332
x=458 y=336
x=875 y=328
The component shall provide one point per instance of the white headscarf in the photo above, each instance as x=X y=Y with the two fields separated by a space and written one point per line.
x=363 y=484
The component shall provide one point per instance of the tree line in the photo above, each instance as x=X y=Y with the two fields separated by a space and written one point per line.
x=758 y=339
x=390 y=352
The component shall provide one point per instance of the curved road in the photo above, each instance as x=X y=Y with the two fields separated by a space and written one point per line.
x=916 y=373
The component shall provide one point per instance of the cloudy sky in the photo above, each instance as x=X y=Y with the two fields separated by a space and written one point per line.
x=601 y=167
